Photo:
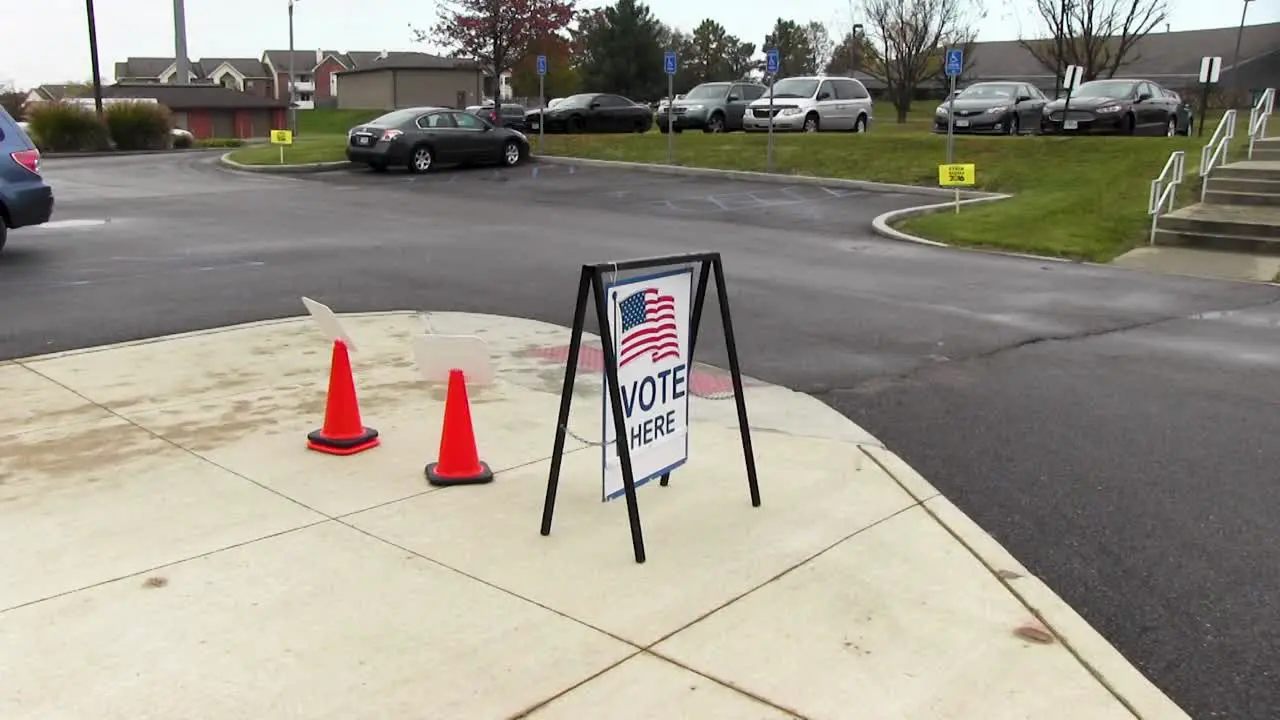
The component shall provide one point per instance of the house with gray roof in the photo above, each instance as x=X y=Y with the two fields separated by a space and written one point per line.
x=1171 y=59
x=315 y=72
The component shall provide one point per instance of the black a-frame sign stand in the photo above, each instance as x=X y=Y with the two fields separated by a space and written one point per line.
x=592 y=281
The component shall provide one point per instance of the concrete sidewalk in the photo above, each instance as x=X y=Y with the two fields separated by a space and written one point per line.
x=170 y=549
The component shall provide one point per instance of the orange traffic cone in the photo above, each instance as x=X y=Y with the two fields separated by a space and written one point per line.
x=343 y=432
x=459 y=463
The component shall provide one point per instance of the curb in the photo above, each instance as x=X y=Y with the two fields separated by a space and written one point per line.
x=226 y=161
x=126 y=153
x=1098 y=656
x=880 y=225
x=752 y=176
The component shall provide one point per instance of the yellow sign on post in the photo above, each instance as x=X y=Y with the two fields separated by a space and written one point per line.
x=957 y=175
x=281 y=137
x=962 y=175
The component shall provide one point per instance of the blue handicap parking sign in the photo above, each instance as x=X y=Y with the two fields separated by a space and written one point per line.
x=669 y=62
x=955 y=61
x=542 y=64
x=771 y=61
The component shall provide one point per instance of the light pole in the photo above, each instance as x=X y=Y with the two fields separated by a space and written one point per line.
x=93 y=58
x=857 y=48
x=293 y=95
x=1236 y=62
x=181 y=64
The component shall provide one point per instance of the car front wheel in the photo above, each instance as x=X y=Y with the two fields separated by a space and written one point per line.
x=511 y=154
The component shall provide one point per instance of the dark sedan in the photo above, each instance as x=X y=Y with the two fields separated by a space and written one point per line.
x=593 y=112
x=1122 y=106
x=993 y=107
x=423 y=137
x=512 y=115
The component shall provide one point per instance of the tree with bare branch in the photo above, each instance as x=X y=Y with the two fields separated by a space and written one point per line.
x=1099 y=35
x=911 y=34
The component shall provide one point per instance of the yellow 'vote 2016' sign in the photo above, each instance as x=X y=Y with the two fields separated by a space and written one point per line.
x=281 y=137
x=956 y=175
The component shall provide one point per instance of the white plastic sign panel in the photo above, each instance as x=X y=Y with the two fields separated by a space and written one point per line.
x=439 y=354
x=649 y=321
x=328 y=322
x=1072 y=78
x=1210 y=69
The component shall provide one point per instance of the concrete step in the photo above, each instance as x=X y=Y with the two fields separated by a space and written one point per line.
x=1260 y=222
x=1266 y=153
x=1217 y=241
x=1249 y=170
x=1233 y=197
x=1246 y=185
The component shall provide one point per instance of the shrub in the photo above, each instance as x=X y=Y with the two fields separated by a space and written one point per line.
x=139 y=125
x=220 y=143
x=66 y=127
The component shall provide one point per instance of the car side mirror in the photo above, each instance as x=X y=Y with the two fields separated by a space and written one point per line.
x=733 y=98
x=1143 y=97
x=595 y=105
x=1024 y=98
x=824 y=96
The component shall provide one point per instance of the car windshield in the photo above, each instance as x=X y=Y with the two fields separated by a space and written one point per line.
x=396 y=117
x=987 y=92
x=795 y=88
x=707 y=91
x=582 y=100
x=1105 y=89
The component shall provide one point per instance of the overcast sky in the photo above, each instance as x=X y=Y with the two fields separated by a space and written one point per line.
x=47 y=41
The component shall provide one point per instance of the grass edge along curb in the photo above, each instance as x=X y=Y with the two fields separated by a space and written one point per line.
x=226 y=161
x=882 y=225
x=760 y=177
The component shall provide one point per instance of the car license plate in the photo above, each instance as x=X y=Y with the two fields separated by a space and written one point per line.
x=533 y=125
x=362 y=140
x=962 y=123
x=1070 y=125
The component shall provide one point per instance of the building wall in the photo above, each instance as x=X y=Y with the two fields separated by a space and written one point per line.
x=199 y=124
x=323 y=74
x=409 y=87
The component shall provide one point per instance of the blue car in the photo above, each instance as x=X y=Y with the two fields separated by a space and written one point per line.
x=25 y=199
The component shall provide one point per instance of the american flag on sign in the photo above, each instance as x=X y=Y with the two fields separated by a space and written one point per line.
x=648 y=327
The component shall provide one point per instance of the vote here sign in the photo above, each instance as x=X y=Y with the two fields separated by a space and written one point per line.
x=649 y=325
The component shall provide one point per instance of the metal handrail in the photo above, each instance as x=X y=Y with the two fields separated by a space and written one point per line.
x=1258 y=117
x=1215 y=152
x=1164 y=188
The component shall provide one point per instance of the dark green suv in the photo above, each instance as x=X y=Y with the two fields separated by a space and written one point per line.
x=711 y=107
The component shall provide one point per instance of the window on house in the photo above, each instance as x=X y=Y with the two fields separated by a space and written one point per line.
x=304 y=78
x=304 y=97
x=333 y=84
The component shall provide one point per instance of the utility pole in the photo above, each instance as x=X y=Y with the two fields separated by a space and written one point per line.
x=293 y=95
x=1235 y=64
x=93 y=58
x=1060 y=42
x=181 y=63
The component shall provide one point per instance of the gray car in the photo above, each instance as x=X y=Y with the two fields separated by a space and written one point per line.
x=710 y=107
x=1002 y=108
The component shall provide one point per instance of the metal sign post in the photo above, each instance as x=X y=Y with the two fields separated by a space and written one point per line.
x=1210 y=69
x=542 y=96
x=955 y=64
x=1070 y=81
x=669 y=66
x=772 y=63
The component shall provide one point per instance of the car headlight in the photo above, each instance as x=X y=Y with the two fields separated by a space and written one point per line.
x=1108 y=109
x=997 y=110
x=790 y=111
x=942 y=110
x=695 y=107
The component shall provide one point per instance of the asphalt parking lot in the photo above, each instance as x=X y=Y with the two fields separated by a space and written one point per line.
x=796 y=207
x=1114 y=429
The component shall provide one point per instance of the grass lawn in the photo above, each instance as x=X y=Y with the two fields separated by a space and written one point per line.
x=305 y=149
x=332 y=122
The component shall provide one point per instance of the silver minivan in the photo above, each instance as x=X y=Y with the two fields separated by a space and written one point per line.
x=811 y=104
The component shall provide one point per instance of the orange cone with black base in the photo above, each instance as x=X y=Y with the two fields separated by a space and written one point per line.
x=459 y=463
x=343 y=432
